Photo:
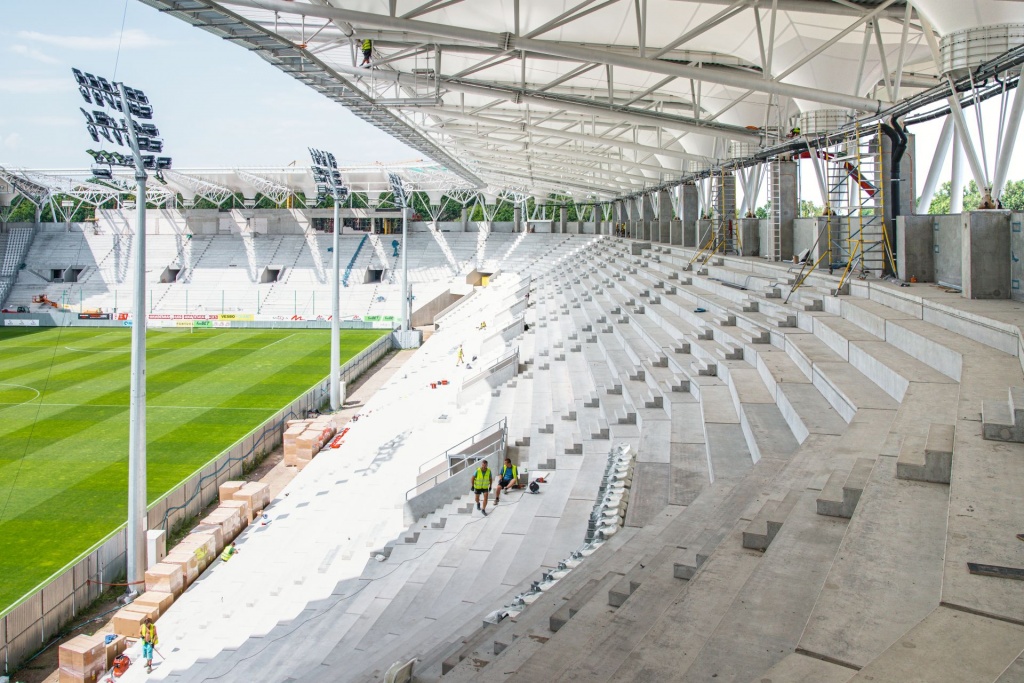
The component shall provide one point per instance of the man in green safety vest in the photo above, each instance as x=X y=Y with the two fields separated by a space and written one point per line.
x=367 y=51
x=229 y=552
x=147 y=634
x=482 y=484
x=508 y=478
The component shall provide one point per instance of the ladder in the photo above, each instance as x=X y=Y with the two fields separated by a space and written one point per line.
x=775 y=210
x=861 y=244
x=723 y=212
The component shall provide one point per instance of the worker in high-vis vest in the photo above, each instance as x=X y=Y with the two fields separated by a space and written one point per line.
x=482 y=484
x=367 y=51
x=147 y=633
x=508 y=478
x=229 y=552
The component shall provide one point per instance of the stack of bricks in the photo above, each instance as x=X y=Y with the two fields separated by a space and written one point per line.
x=305 y=438
x=83 y=659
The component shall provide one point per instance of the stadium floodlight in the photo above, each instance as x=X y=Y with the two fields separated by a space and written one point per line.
x=401 y=200
x=129 y=103
x=328 y=177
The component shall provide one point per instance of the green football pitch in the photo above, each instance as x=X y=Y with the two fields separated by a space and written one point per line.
x=64 y=424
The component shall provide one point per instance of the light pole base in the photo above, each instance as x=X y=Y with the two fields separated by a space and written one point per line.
x=408 y=339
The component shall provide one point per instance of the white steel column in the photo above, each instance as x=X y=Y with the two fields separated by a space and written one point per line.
x=137 y=500
x=405 y=269
x=956 y=184
x=336 y=307
x=1006 y=149
x=938 y=161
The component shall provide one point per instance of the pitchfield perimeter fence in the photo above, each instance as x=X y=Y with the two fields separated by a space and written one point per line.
x=41 y=614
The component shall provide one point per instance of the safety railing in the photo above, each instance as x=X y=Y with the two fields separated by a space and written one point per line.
x=491 y=440
x=510 y=358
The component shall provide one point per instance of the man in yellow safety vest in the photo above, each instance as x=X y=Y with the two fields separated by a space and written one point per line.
x=508 y=478
x=149 y=641
x=367 y=51
x=482 y=484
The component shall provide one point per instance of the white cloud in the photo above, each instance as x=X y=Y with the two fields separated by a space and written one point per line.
x=20 y=85
x=12 y=141
x=33 y=53
x=131 y=39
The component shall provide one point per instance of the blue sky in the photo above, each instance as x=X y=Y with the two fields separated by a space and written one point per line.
x=216 y=104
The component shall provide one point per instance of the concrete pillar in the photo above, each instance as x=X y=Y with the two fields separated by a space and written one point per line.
x=906 y=184
x=915 y=248
x=704 y=228
x=621 y=216
x=748 y=238
x=984 y=248
x=688 y=215
x=563 y=219
x=636 y=217
x=598 y=227
x=465 y=219
x=517 y=218
x=647 y=217
x=785 y=209
x=665 y=216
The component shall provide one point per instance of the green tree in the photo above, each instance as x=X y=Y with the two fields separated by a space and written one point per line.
x=940 y=201
x=809 y=209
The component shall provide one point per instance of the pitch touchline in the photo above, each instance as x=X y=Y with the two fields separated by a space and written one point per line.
x=113 y=405
x=279 y=340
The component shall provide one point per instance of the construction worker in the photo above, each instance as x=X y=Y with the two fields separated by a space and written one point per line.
x=460 y=359
x=228 y=552
x=482 y=484
x=508 y=478
x=149 y=641
x=367 y=51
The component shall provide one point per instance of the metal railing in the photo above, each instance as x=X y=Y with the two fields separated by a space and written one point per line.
x=465 y=455
x=506 y=360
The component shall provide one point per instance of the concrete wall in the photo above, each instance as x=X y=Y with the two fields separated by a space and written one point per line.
x=805 y=231
x=983 y=254
x=946 y=259
x=915 y=248
x=424 y=315
x=1016 y=256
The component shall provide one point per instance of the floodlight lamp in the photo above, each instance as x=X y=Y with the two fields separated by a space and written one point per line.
x=117 y=135
x=105 y=85
x=140 y=111
x=163 y=163
x=85 y=95
x=94 y=82
x=102 y=172
x=331 y=161
x=79 y=77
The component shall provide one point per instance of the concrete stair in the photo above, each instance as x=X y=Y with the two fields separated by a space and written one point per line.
x=1004 y=420
x=929 y=461
x=842 y=491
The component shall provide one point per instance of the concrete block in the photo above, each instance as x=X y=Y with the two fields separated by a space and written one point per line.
x=915 y=248
x=841 y=493
x=985 y=267
x=931 y=460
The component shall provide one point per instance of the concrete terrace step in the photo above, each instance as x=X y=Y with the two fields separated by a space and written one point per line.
x=930 y=460
x=762 y=530
x=843 y=490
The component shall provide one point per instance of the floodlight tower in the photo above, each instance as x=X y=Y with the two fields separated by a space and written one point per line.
x=328 y=178
x=402 y=201
x=138 y=138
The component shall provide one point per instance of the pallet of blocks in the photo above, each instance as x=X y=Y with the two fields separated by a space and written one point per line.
x=256 y=496
x=228 y=519
x=162 y=601
x=128 y=620
x=165 y=578
x=82 y=659
x=305 y=438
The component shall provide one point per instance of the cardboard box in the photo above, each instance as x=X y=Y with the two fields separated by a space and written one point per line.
x=214 y=530
x=257 y=490
x=203 y=546
x=128 y=620
x=81 y=654
x=228 y=520
x=244 y=511
x=162 y=601
x=93 y=676
x=227 y=489
x=165 y=578
x=118 y=645
x=188 y=563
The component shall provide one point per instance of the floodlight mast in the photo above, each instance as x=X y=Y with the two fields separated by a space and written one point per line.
x=401 y=200
x=137 y=518
x=326 y=168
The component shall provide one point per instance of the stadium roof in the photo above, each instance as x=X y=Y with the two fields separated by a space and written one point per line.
x=597 y=97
